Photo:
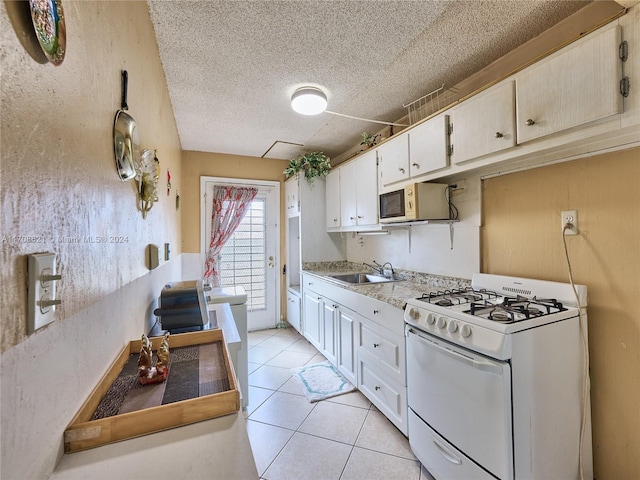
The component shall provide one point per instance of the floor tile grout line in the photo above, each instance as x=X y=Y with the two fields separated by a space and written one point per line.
x=354 y=444
x=290 y=438
x=297 y=430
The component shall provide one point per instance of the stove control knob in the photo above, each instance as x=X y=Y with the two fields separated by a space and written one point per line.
x=452 y=327
x=442 y=322
x=431 y=319
x=415 y=314
x=465 y=331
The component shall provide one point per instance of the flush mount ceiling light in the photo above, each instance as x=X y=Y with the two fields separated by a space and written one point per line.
x=312 y=101
x=309 y=101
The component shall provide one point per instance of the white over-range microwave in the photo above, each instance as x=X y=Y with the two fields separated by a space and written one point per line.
x=416 y=201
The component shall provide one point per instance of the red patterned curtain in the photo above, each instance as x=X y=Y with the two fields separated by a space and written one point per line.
x=230 y=204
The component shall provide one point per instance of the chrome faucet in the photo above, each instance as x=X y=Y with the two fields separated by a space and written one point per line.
x=380 y=268
x=393 y=272
x=374 y=267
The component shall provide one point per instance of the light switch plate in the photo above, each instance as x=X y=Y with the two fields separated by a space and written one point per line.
x=41 y=289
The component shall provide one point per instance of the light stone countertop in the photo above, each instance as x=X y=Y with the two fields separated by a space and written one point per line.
x=395 y=293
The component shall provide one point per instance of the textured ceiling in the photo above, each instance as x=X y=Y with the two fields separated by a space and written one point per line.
x=231 y=66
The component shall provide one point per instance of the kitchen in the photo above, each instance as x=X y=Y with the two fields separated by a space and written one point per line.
x=56 y=183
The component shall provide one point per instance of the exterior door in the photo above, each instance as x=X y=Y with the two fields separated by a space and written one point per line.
x=250 y=257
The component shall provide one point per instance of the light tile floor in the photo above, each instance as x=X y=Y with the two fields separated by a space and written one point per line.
x=342 y=438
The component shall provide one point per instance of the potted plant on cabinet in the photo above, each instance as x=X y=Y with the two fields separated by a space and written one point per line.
x=369 y=140
x=314 y=164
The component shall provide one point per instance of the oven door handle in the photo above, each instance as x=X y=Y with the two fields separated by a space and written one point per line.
x=485 y=366
x=446 y=453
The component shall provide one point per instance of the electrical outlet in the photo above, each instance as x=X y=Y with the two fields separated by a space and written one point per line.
x=570 y=217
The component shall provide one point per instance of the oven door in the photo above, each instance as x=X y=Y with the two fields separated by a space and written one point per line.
x=466 y=398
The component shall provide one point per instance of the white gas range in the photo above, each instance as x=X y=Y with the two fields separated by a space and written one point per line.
x=495 y=380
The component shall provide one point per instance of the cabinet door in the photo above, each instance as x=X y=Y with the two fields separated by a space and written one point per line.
x=366 y=175
x=333 y=198
x=347 y=344
x=291 y=197
x=428 y=146
x=311 y=318
x=576 y=87
x=328 y=324
x=484 y=124
x=293 y=310
x=348 y=194
x=393 y=160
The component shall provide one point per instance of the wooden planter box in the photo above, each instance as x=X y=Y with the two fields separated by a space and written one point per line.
x=84 y=433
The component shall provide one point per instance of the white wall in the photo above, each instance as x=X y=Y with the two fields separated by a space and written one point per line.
x=430 y=250
x=46 y=379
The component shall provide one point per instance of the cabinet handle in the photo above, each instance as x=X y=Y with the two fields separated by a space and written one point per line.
x=376 y=387
x=352 y=218
x=401 y=170
x=335 y=306
x=498 y=135
x=376 y=345
x=335 y=219
x=530 y=122
x=375 y=312
x=360 y=216
x=415 y=165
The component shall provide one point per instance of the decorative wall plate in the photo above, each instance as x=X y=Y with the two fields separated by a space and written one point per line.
x=48 y=21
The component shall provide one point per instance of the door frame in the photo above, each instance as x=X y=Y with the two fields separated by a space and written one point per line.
x=203 y=243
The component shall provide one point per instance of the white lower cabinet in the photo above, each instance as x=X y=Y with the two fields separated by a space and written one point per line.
x=328 y=323
x=293 y=310
x=347 y=322
x=386 y=347
x=381 y=369
x=311 y=303
x=385 y=392
x=364 y=338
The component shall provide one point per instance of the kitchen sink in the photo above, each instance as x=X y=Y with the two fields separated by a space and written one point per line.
x=361 y=278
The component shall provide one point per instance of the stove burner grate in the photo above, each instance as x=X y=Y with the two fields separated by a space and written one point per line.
x=514 y=309
x=457 y=296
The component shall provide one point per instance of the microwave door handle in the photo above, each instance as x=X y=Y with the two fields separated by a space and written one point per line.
x=482 y=365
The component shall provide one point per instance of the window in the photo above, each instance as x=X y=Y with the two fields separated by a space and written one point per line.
x=243 y=258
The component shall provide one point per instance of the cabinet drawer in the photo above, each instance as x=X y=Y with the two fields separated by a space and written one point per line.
x=383 y=314
x=384 y=347
x=388 y=395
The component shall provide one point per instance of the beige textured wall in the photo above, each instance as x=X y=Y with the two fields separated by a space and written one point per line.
x=522 y=236
x=59 y=182
x=198 y=164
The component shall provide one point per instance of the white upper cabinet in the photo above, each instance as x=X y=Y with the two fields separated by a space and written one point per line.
x=578 y=86
x=428 y=146
x=393 y=159
x=367 y=188
x=292 y=197
x=333 y=199
x=348 y=194
x=359 y=192
x=484 y=124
